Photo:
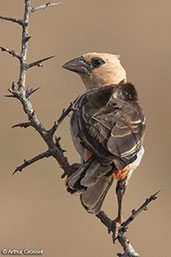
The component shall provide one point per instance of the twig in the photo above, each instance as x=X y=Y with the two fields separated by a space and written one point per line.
x=38 y=63
x=61 y=118
x=66 y=112
x=11 y=52
x=29 y=162
x=12 y=20
x=43 y=6
x=129 y=250
x=136 y=212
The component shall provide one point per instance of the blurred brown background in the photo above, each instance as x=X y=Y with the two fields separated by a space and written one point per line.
x=36 y=211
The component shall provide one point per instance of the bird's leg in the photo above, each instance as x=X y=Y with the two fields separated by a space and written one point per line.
x=120 y=190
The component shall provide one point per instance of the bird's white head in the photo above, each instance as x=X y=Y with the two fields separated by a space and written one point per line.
x=97 y=69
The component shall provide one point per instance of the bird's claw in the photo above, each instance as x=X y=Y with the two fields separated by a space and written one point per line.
x=74 y=168
x=116 y=224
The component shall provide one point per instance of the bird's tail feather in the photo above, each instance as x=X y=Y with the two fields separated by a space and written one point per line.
x=92 y=199
x=92 y=181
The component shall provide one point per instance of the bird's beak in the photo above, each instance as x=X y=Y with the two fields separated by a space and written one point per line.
x=78 y=65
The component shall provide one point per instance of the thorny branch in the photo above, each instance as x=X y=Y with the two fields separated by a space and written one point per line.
x=129 y=250
x=19 y=91
x=140 y=209
x=34 y=159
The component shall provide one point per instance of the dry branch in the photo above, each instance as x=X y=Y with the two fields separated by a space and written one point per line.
x=12 y=20
x=43 y=6
x=19 y=91
x=61 y=118
x=129 y=250
x=34 y=159
x=11 y=52
x=138 y=211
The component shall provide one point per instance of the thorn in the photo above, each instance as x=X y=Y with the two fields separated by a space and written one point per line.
x=13 y=91
x=63 y=175
x=9 y=96
x=55 y=123
x=22 y=125
x=29 y=92
x=26 y=39
x=157 y=193
x=133 y=212
x=13 y=87
x=154 y=196
x=39 y=62
x=51 y=131
x=57 y=139
x=16 y=171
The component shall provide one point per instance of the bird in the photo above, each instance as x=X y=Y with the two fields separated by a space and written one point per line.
x=107 y=127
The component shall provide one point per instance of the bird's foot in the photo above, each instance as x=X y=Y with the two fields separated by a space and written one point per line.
x=74 y=168
x=116 y=224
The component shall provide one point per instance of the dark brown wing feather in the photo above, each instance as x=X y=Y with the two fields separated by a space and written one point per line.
x=109 y=122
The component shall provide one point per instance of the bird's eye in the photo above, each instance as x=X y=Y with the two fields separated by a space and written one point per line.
x=96 y=62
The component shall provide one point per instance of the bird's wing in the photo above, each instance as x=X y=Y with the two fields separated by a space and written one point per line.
x=109 y=122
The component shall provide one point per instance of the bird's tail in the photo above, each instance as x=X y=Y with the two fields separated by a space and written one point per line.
x=92 y=181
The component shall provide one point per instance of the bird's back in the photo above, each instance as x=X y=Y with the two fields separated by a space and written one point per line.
x=109 y=122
